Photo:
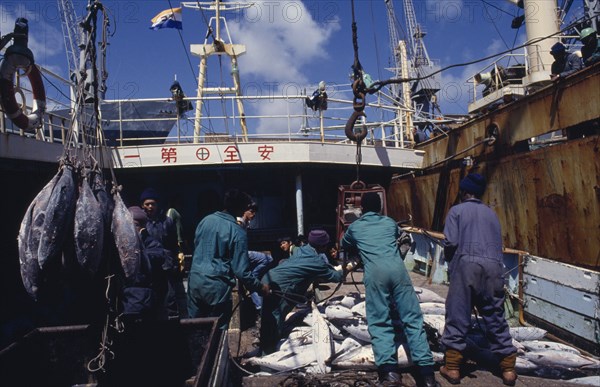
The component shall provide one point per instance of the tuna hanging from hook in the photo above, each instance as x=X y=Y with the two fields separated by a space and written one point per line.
x=29 y=238
x=89 y=226
x=58 y=217
x=126 y=238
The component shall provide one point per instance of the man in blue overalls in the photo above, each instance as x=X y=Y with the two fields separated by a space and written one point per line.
x=162 y=229
x=387 y=282
x=473 y=246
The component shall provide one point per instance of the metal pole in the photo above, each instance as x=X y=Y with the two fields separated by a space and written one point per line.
x=120 y=124
x=321 y=125
x=299 y=207
x=178 y=130
x=198 y=116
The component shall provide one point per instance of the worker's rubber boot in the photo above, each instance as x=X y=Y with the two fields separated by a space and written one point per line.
x=451 y=370
x=424 y=376
x=389 y=375
x=507 y=365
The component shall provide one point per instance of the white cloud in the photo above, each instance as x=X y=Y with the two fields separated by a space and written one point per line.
x=286 y=33
x=45 y=37
x=281 y=38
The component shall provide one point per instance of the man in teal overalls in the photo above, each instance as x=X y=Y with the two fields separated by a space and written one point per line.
x=288 y=283
x=387 y=282
x=220 y=255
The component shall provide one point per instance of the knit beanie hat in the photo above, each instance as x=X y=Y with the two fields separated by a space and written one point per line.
x=318 y=238
x=557 y=48
x=474 y=184
x=149 y=193
x=139 y=215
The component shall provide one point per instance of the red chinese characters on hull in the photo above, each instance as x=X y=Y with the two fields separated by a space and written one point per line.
x=232 y=154
x=265 y=151
x=168 y=155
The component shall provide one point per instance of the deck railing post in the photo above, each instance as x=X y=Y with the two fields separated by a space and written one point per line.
x=321 y=126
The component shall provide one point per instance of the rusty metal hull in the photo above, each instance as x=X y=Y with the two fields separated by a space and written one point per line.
x=547 y=199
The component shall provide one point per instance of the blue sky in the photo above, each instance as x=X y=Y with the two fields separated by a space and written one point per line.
x=291 y=45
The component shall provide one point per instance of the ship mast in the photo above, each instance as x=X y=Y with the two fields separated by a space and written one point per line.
x=400 y=70
x=411 y=60
x=218 y=47
x=423 y=91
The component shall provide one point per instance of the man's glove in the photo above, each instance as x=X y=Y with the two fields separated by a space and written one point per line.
x=181 y=260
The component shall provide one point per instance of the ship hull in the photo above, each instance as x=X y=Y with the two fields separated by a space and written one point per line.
x=547 y=199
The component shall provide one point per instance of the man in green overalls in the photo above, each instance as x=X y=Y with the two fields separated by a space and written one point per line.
x=386 y=283
x=220 y=256
x=288 y=283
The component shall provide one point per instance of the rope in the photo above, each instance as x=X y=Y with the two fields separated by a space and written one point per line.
x=289 y=296
x=354 y=281
x=183 y=44
x=98 y=362
x=487 y=139
x=337 y=287
x=356 y=67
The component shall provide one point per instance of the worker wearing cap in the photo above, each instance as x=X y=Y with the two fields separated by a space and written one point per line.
x=564 y=63
x=162 y=229
x=590 y=51
x=220 y=256
x=473 y=246
x=386 y=283
x=288 y=283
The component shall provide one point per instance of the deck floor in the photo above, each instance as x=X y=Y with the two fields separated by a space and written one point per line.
x=476 y=378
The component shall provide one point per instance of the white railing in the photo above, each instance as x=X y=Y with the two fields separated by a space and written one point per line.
x=286 y=119
x=138 y=122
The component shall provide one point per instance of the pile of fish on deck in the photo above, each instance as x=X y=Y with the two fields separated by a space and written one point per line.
x=333 y=336
x=66 y=224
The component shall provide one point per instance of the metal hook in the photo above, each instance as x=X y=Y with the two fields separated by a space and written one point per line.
x=350 y=133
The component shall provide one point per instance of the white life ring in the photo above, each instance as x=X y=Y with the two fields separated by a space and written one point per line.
x=9 y=66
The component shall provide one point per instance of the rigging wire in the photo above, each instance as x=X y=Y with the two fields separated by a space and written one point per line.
x=516 y=33
x=380 y=84
x=487 y=12
x=375 y=41
x=485 y=140
x=223 y=106
x=183 y=44
x=496 y=7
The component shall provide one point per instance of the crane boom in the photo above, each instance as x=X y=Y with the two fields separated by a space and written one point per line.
x=395 y=38
x=417 y=52
x=423 y=90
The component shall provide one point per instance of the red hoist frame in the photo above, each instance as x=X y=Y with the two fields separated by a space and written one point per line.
x=349 y=208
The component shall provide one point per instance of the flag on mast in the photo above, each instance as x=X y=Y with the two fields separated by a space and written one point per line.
x=169 y=18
